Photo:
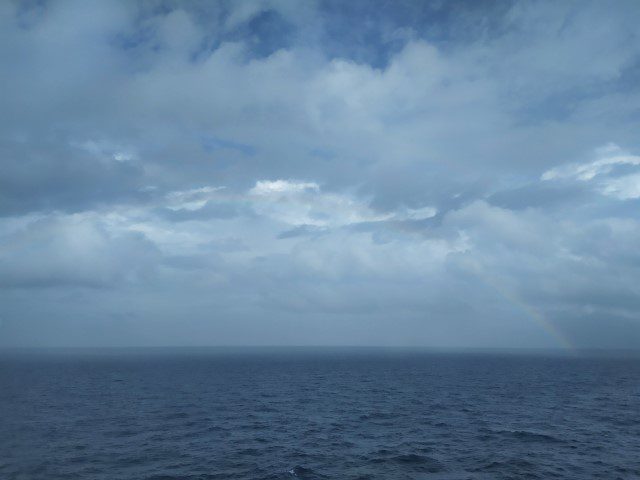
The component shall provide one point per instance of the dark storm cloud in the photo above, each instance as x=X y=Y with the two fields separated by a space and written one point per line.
x=438 y=173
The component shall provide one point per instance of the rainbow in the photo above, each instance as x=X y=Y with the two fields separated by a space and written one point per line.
x=559 y=338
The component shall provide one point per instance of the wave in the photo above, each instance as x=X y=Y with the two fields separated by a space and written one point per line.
x=305 y=473
x=413 y=461
x=528 y=436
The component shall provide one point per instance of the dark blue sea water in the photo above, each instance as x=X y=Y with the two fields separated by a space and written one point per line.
x=320 y=413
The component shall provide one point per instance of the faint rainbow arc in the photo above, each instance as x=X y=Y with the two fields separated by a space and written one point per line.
x=529 y=311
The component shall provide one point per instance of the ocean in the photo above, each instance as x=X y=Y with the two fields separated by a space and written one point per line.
x=314 y=413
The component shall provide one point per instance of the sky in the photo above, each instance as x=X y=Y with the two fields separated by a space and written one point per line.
x=420 y=173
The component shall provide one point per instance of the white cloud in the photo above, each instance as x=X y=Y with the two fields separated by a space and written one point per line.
x=304 y=203
x=599 y=172
x=77 y=249
x=192 y=199
x=421 y=213
x=105 y=151
x=626 y=187
x=282 y=187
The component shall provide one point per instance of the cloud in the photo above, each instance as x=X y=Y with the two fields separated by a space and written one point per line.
x=282 y=187
x=303 y=203
x=286 y=172
x=74 y=250
x=605 y=173
x=191 y=200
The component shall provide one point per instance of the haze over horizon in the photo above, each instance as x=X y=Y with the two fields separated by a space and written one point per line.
x=440 y=174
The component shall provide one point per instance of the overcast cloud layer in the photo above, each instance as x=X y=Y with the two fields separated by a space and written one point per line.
x=348 y=173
